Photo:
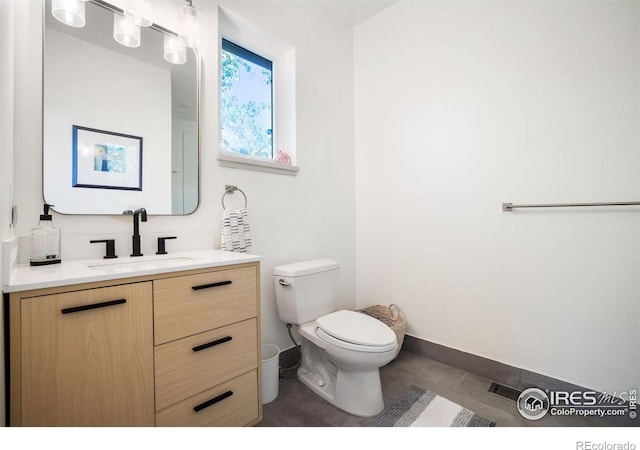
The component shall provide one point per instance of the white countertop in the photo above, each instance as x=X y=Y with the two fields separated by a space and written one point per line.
x=23 y=277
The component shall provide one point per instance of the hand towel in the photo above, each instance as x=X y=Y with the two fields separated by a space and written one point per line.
x=235 y=231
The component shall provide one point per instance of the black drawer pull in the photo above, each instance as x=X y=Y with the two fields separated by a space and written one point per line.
x=212 y=285
x=93 y=306
x=212 y=343
x=213 y=401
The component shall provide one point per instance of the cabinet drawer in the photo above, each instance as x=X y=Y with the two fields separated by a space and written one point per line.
x=184 y=306
x=193 y=364
x=230 y=404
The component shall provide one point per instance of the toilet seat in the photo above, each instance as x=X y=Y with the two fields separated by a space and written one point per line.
x=356 y=331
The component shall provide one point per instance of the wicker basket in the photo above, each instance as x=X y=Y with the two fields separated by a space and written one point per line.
x=390 y=316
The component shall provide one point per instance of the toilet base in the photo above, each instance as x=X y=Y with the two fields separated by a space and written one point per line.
x=356 y=392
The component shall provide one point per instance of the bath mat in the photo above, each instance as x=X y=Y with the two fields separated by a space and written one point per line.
x=421 y=408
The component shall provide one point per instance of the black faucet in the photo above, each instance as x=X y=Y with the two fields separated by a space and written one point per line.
x=138 y=214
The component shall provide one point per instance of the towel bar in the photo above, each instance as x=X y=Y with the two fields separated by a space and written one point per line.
x=511 y=206
x=229 y=189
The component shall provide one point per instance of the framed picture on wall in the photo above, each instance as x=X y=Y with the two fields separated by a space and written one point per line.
x=106 y=160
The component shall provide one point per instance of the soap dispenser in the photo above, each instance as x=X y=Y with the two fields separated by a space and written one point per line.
x=45 y=241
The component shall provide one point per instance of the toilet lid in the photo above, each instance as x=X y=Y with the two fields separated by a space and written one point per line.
x=356 y=328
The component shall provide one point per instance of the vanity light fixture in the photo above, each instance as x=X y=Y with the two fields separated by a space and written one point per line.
x=69 y=12
x=175 y=51
x=190 y=25
x=125 y=31
x=127 y=23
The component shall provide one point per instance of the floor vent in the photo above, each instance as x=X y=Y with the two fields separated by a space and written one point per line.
x=504 y=391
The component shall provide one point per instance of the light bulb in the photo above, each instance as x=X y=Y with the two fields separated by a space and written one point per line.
x=190 y=26
x=125 y=32
x=139 y=12
x=69 y=12
x=175 y=51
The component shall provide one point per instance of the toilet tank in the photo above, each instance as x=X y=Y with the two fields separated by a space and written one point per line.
x=306 y=290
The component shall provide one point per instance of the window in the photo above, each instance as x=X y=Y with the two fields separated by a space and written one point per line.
x=257 y=82
x=246 y=102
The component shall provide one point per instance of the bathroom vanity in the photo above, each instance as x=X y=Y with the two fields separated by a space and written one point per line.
x=151 y=341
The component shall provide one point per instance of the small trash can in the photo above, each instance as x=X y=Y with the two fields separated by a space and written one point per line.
x=270 y=372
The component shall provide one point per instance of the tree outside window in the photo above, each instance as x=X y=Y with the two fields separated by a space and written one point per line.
x=246 y=103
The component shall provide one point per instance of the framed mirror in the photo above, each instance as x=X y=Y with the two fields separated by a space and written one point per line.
x=120 y=124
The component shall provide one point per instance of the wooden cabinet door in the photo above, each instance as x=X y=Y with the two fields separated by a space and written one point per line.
x=87 y=358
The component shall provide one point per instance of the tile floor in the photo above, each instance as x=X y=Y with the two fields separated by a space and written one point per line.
x=297 y=406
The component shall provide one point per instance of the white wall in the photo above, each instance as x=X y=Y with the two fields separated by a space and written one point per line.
x=6 y=156
x=93 y=96
x=292 y=218
x=461 y=106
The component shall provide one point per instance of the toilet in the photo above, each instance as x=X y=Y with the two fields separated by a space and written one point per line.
x=342 y=351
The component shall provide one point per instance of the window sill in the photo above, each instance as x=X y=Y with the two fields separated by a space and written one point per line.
x=259 y=165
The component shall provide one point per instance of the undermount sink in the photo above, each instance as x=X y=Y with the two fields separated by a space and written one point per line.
x=140 y=263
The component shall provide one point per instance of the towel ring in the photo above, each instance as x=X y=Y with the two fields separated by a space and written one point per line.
x=230 y=190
